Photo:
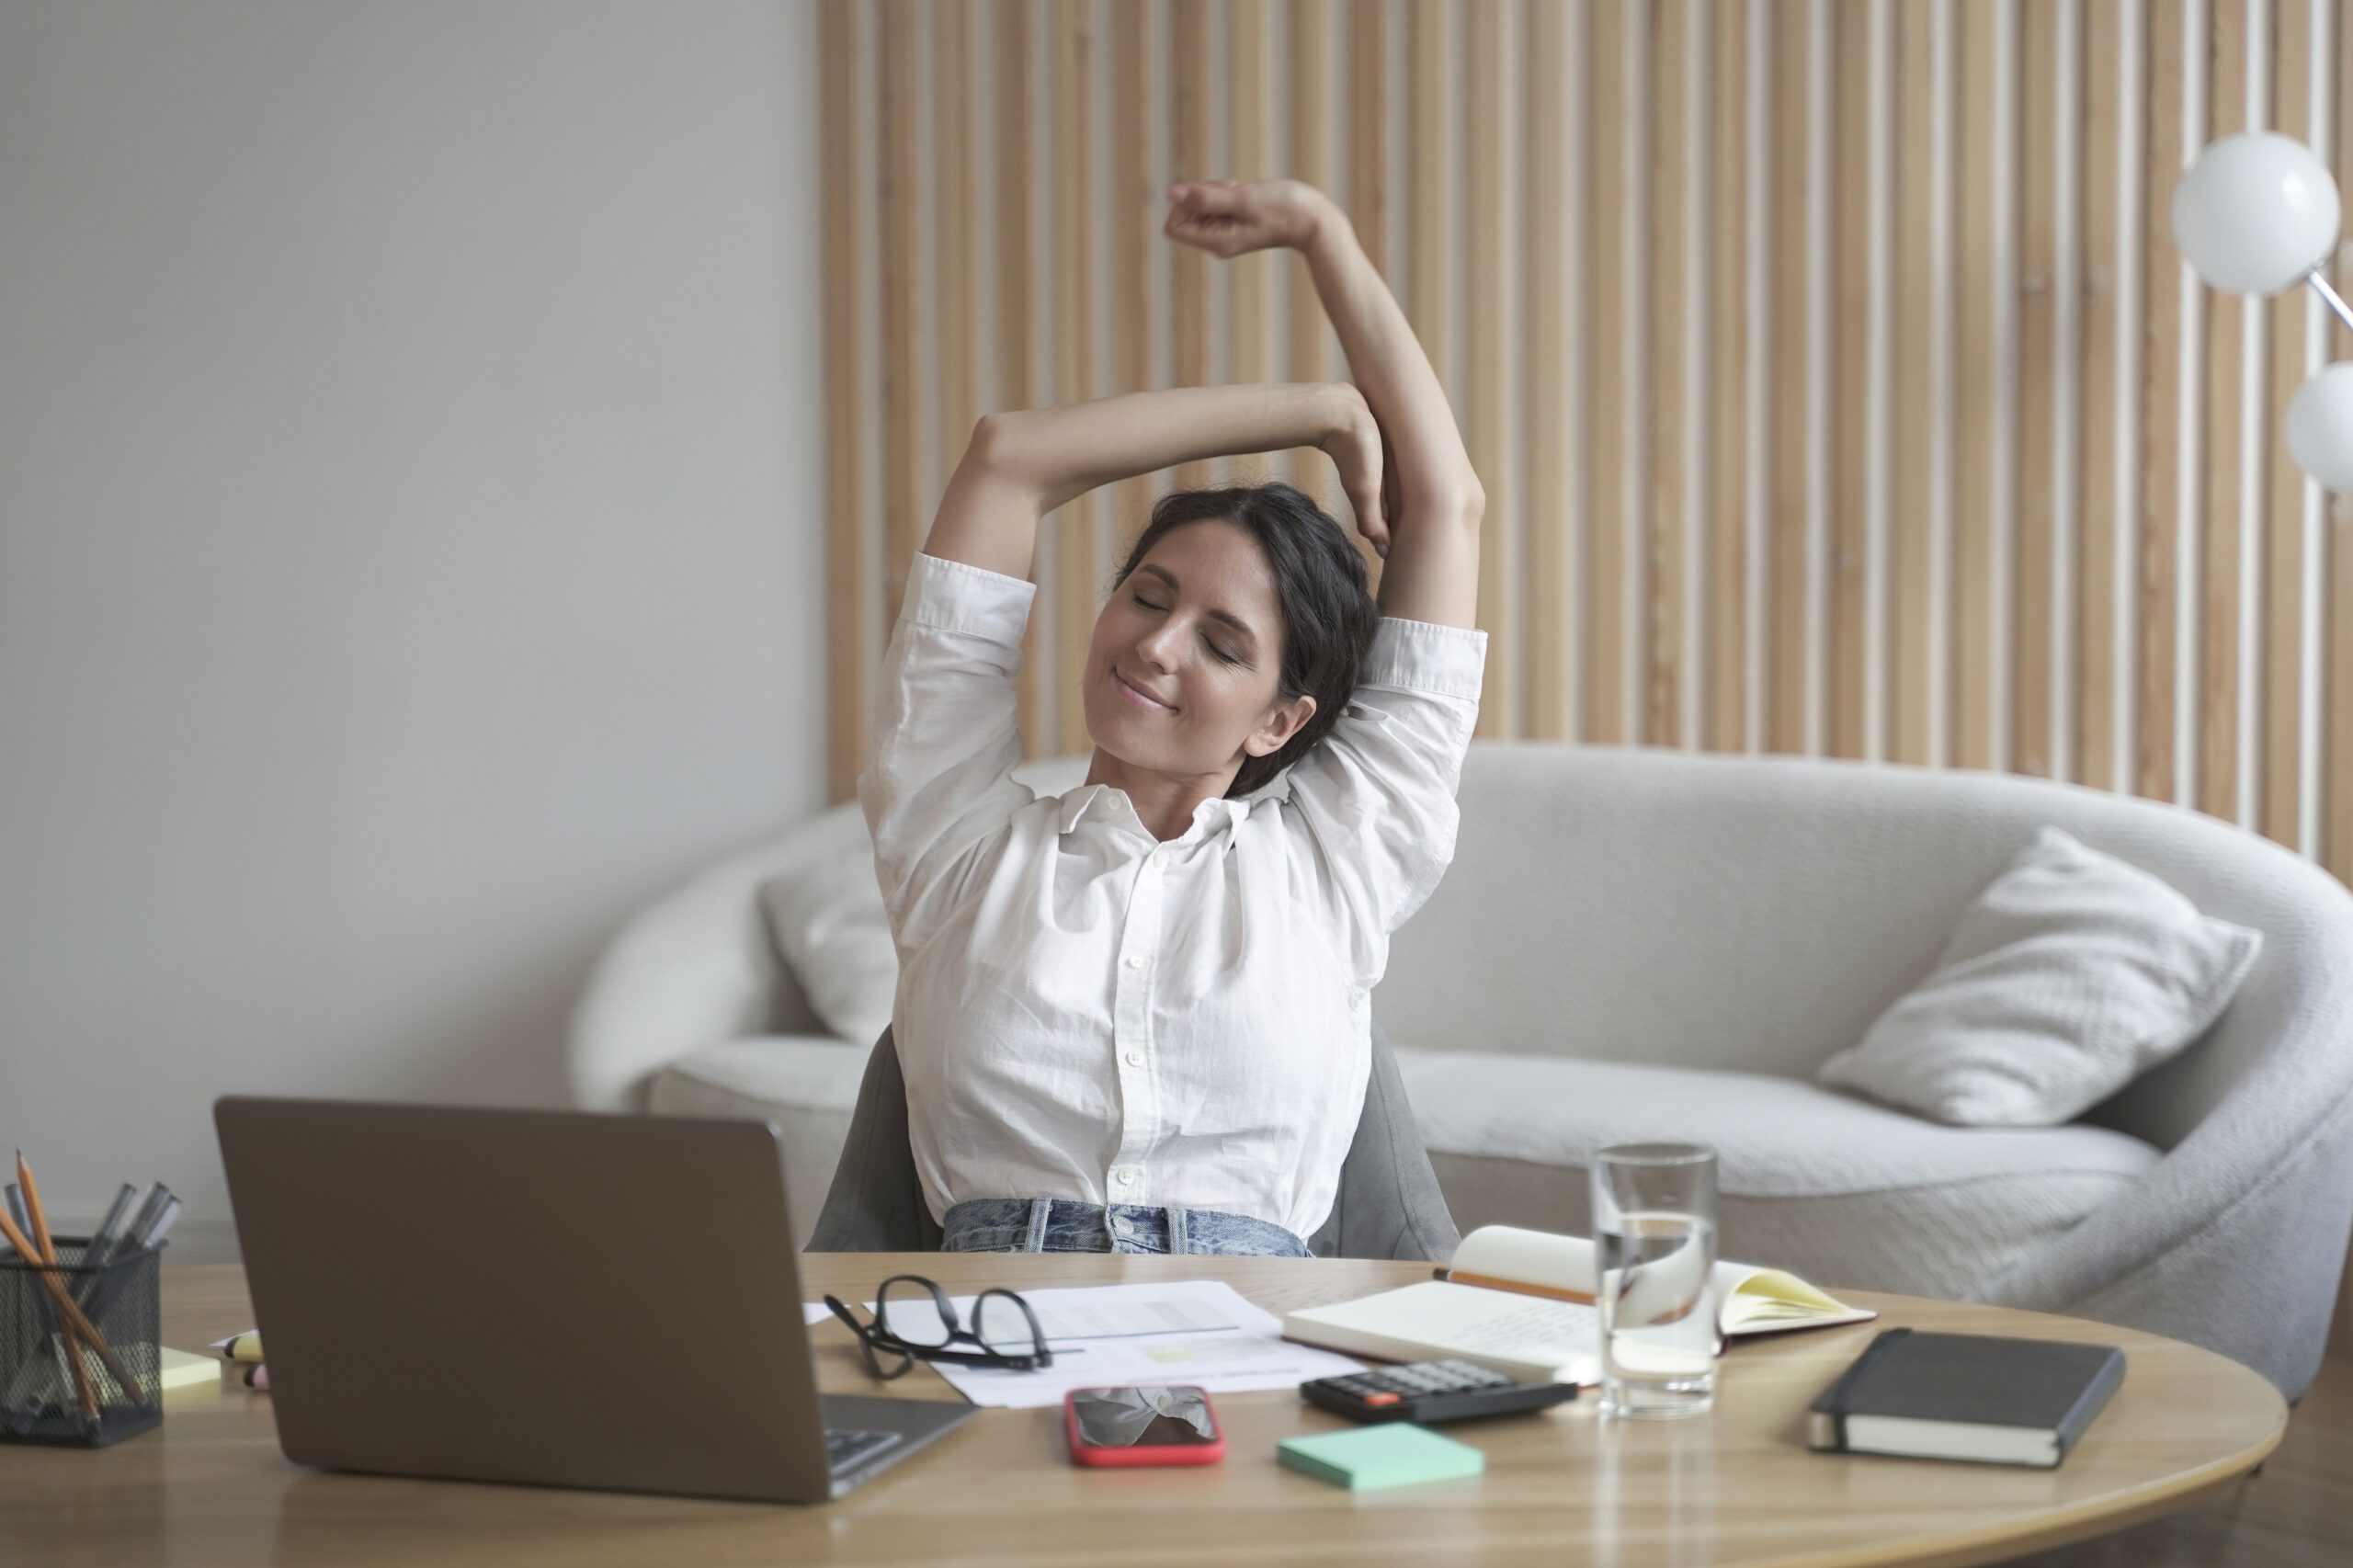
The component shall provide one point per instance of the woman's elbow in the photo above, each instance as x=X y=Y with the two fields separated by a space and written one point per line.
x=1461 y=501
x=991 y=443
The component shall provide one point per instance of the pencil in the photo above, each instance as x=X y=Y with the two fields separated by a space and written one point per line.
x=46 y=1251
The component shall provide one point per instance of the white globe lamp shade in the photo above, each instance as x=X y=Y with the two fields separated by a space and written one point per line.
x=2256 y=213
x=2320 y=426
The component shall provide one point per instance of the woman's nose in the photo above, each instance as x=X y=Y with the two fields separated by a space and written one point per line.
x=1159 y=645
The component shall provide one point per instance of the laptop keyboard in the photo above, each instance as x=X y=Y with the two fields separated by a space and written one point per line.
x=846 y=1447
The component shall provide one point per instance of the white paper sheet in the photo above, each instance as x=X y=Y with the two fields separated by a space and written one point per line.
x=1186 y=1331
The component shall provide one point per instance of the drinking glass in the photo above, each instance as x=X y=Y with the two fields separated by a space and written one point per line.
x=1654 y=1228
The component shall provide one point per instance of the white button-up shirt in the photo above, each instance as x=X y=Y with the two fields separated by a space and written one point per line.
x=1087 y=1013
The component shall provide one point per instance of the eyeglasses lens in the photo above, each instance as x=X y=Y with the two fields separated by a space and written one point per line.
x=1001 y=1325
x=905 y=1311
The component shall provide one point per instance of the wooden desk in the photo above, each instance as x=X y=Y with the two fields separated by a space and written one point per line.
x=1736 y=1486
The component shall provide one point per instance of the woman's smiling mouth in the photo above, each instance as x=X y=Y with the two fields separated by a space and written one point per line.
x=1139 y=695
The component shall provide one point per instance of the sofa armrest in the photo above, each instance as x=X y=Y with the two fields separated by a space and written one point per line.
x=694 y=967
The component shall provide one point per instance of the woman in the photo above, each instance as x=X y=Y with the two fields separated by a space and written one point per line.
x=1136 y=1017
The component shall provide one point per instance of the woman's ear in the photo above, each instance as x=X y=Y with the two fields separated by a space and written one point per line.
x=1279 y=725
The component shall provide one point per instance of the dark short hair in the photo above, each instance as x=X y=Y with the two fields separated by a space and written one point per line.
x=1329 y=618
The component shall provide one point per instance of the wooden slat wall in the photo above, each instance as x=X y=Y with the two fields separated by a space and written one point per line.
x=1835 y=382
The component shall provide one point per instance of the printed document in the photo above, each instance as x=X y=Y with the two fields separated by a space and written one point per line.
x=1202 y=1332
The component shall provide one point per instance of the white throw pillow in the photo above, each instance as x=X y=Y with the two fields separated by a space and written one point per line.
x=2068 y=977
x=825 y=913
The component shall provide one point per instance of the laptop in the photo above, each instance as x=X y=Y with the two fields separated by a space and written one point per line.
x=556 y=1298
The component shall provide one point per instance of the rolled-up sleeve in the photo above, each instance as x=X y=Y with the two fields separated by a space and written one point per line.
x=1375 y=801
x=946 y=737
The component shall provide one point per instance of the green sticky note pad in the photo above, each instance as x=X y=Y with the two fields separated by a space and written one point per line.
x=1391 y=1454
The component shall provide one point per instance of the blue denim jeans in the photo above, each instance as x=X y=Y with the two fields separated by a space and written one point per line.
x=1057 y=1224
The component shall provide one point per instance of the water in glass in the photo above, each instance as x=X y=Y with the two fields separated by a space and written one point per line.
x=1658 y=1315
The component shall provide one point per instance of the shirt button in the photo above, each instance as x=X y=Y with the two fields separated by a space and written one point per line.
x=1135 y=960
x=1135 y=1058
x=1123 y=1175
x=1159 y=860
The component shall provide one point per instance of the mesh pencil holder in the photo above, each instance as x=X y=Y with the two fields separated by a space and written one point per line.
x=116 y=1392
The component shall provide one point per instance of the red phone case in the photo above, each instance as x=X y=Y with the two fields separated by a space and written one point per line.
x=1163 y=1453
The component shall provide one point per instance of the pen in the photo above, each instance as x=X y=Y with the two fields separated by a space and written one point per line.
x=154 y=1231
x=152 y=1205
x=101 y=1250
x=46 y=1251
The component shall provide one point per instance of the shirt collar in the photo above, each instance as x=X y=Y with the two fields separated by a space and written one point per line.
x=1113 y=806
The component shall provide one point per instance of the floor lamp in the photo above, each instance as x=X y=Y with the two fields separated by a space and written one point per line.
x=2258 y=214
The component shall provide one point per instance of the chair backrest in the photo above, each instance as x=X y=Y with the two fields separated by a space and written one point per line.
x=1757 y=913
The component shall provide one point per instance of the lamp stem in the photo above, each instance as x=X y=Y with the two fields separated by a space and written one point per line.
x=2336 y=300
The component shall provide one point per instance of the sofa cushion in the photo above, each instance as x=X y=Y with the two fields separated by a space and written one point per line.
x=2071 y=975
x=1842 y=1191
x=807 y=1086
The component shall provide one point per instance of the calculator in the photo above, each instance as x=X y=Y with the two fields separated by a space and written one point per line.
x=1430 y=1392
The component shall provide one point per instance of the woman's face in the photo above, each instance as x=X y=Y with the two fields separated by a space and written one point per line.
x=1182 y=676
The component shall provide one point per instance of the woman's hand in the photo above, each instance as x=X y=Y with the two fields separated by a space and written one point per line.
x=1357 y=449
x=1230 y=217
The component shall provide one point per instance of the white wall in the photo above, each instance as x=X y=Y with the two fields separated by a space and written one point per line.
x=409 y=537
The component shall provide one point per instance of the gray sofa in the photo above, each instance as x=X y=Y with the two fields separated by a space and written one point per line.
x=1641 y=944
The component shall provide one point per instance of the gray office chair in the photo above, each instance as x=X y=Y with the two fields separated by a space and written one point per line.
x=1389 y=1204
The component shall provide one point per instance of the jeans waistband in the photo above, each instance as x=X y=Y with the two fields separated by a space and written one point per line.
x=1061 y=1225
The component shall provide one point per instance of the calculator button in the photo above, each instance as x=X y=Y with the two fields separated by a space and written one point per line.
x=1383 y=1397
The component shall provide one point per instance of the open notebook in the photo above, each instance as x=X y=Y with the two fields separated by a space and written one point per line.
x=1520 y=1302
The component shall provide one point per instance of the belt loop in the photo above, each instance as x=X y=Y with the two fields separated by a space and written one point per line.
x=1180 y=1238
x=1040 y=1211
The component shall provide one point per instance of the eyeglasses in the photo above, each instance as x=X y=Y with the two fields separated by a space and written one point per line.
x=913 y=1320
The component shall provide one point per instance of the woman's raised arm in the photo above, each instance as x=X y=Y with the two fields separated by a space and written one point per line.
x=1020 y=466
x=1430 y=527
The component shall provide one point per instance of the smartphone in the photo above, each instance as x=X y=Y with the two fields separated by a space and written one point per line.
x=1142 y=1426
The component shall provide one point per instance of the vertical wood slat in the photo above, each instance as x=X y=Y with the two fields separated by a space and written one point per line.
x=1075 y=557
x=1248 y=352
x=1727 y=281
x=1974 y=504
x=1664 y=694
x=2216 y=693
x=2102 y=293
x=2034 y=568
x=955 y=233
x=1367 y=106
x=1017 y=384
x=1488 y=412
x=2161 y=431
x=1545 y=175
x=1188 y=283
x=2283 y=588
x=1788 y=626
x=1427 y=213
x=1607 y=718
x=1917 y=585
x=1607 y=413
x=901 y=324
x=1311 y=160
x=1367 y=95
x=1134 y=207
x=1850 y=317
x=1633 y=328
x=848 y=585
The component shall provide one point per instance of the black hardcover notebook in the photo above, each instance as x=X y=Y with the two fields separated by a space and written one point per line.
x=1966 y=1396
